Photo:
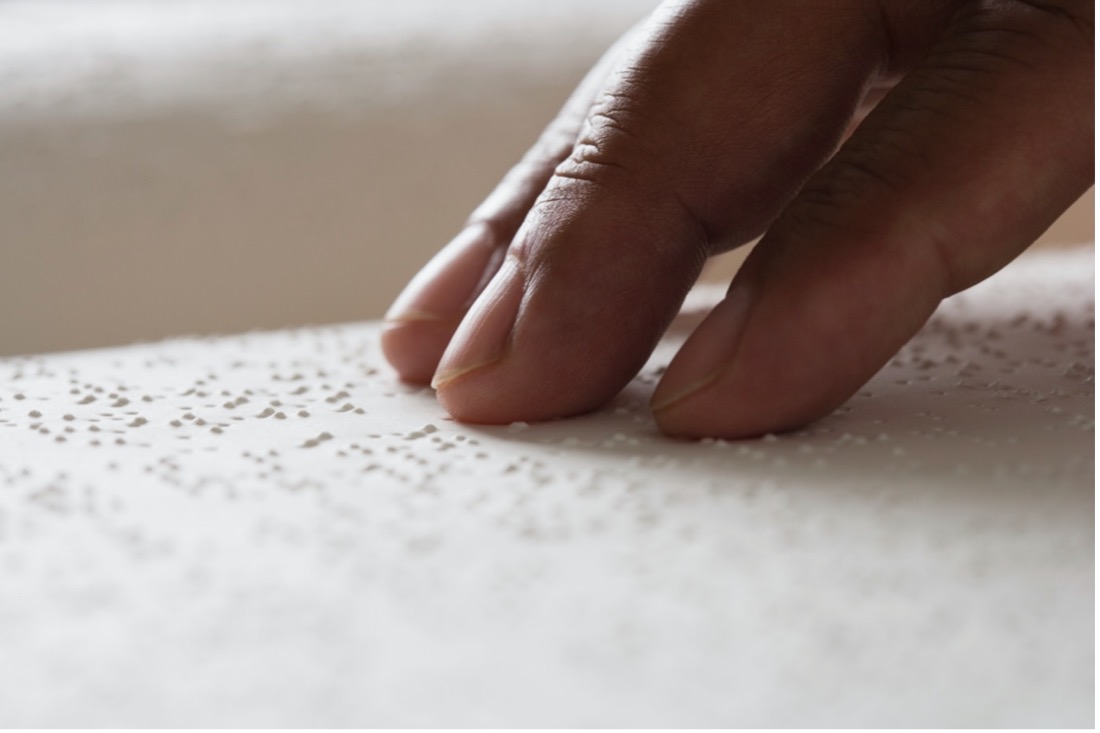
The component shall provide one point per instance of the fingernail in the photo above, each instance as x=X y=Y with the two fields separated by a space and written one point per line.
x=443 y=289
x=708 y=352
x=483 y=336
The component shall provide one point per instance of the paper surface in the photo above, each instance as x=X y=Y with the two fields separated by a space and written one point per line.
x=268 y=529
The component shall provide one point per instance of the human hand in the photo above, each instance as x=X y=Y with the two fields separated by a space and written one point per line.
x=718 y=120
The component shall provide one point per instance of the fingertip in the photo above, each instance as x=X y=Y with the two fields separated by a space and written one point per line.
x=741 y=406
x=712 y=412
x=748 y=370
x=520 y=384
x=480 y=394
x=470 y=398
x=420 y=323
x=494 y=394
x=446 y=285
x=413 y=347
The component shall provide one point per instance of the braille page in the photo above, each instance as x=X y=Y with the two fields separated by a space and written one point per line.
x=268 y=529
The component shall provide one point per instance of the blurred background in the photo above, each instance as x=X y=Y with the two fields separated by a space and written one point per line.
x=176 y=167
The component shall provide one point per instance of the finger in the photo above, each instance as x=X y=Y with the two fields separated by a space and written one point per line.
x=694 y=144
x=422 y=320
x=962 y=166
x=480 y=380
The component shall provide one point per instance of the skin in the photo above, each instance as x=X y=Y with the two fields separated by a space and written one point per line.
x=892 y=152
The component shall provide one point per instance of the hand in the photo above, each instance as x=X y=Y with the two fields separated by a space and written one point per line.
x=718 y=120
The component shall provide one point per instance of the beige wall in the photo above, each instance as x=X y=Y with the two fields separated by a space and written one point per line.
x=114 y=232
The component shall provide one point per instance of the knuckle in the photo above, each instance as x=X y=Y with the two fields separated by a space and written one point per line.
x=1078 y=14
x=504 y=209
x=554 y=145
x=858 y=168
x=858 y=199
x=611 y=142
x=1066 y=26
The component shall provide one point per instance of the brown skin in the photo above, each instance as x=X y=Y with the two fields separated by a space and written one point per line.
x=718 y=120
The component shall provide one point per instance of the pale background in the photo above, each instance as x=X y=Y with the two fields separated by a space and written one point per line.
x=195 y=167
